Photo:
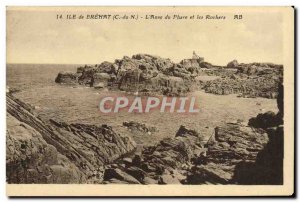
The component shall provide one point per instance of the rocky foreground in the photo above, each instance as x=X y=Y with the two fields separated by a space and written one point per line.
x=53 y=152
x=150 y=74
x=47 y=151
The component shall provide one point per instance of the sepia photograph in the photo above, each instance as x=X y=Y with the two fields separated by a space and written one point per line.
x=149 y=101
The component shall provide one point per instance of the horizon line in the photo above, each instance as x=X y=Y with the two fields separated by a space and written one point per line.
x=34 y=63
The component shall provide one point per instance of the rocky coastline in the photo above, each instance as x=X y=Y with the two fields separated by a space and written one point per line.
x=51 y=151
x=48 y=151
x=148 y=74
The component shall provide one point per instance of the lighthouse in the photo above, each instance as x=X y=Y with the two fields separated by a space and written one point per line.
x=195 y=56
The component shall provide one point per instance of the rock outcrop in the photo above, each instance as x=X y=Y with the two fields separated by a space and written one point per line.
x=142 y=72
x=188 y=159
x=268 y=167
x=155 y=75
x=237 y=153
x=230 y=145
x=92 y=147
x=164 y=163
x=30 y=159
x=233 y=64
x=265 y=120
x=250 y=80
x=67 y=78
x=54 y=152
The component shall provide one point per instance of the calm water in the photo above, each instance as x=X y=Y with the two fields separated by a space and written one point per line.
x=80 y=104
x=26 y=76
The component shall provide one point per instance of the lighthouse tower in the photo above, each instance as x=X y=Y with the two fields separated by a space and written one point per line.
x=195 y=56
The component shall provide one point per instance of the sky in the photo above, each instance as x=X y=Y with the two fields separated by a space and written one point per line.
x=36 y=36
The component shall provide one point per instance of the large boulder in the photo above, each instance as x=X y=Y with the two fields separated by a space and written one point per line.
x=233 y=64
x=67 y=78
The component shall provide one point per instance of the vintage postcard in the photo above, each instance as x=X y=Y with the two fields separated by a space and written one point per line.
x=150 y=101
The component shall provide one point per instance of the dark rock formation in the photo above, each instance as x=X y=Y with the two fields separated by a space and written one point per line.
x=163 y=163
x=54 y=152
x=141 y=127
x=268 y=167
x=280 y=98
x=230 y=145
x=67 y=78
x=183 y=131
x=265 y=120
x=141 y=72
x=116 y=175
